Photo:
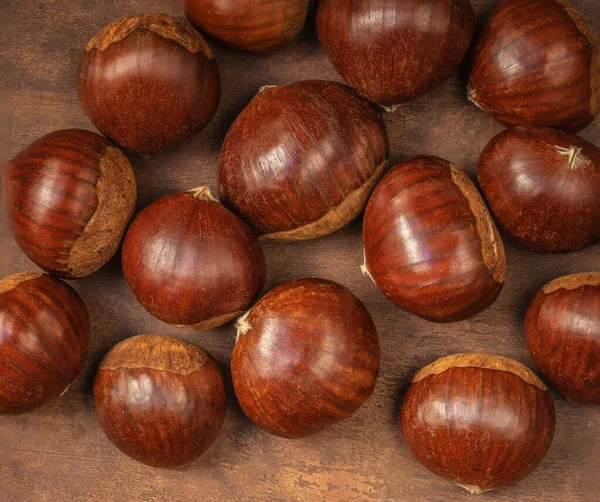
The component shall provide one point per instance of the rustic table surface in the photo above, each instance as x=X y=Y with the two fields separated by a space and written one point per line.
x=59 y=453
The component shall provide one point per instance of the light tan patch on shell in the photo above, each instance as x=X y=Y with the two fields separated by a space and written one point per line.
x=492 y=247
x=12 y=281
x=117 y=195
x=335 y=219
x=485 y=361
x=162 y=25
x=214 y=322
x=242 y=326
x=155 y=352
x=587 y=32
x=573 y=281
x=294 y=18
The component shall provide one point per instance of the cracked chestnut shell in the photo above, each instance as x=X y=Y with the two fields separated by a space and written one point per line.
x=391 y=51
x=481 y=421
x=430 y=243
x=44 y=339
x=306 y=357
x=248 y=25
x=300 y=161
x=68 y=198
x=563 y=333
x=537 y=62
x=543 y=187
x=148 y=82
x=191 y=262
x=160 y=400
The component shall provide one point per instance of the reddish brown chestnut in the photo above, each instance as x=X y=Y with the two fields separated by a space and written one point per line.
x=391 y=51
x=430 y=243
x=160 y=400
x=148 y=82
x=537 y=62
x=481 y=421
x=307 y=356
x=563 y=333
x=44 y=338
x=68 y=198
x=191 y=262
x=248 y=25
x=301 y=160
x=543 y=187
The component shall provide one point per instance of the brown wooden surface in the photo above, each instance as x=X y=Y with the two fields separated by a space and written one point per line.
x=59 y=453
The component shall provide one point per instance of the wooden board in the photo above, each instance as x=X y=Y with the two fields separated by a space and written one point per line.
x=59 y=453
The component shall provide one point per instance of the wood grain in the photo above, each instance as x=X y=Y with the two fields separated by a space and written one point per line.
x=60 y=452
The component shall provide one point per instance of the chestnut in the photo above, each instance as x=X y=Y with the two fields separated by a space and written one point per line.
x=148 y=82
x=392 y=51
x=536 y=63
x=481 y=421
x=160 y=400
x=44 y=338
x=192 y=263
x=248 y=25
x=306 y=357
x=563 y=333
x=543 y=187
x=68 y=198
x=301 y=160
x=430 y=243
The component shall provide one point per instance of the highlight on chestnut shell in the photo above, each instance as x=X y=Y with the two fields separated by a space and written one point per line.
x=44 y=339
x=478 y=420
x=178 y=396
x=562 y=326
x=537 y=62
x=148 y=82
x=306 y=357
x=300 y=161
x=430 y=243
x=68 y=198
x=191 y=262
x=412 y=46
x=248 y=25
x=543 y=187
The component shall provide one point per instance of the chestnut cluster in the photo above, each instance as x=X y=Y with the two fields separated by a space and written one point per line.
x=301 y=161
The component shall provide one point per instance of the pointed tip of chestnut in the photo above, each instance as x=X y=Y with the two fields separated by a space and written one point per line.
x=203 y=193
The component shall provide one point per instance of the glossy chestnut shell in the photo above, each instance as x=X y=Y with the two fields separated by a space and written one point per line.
x=481 y=421
x=68 y=198
x=392 y=51
x=148 y=82
x=537 y=62
x=563 y=333
x=301 y=160
x=543 y=187
x=160 y=400
x=44 y=338
x=430 y=243
x=307 y=356
x=191 y=262
x=248 y=25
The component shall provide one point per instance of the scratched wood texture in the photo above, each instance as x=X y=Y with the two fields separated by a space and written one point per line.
x=59 y=453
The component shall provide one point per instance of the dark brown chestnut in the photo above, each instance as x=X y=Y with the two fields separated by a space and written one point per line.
x=191 y=262
x=392 y=51
x=481 y=421
x=430 y=243
x=68 y=198
x=306 y=357
x=248 y=25
x=563 y=333
x=44 y=338
x=160 y=400
x=301 y=160
x=543 y=187
x=148 y=82
x=537 y=63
